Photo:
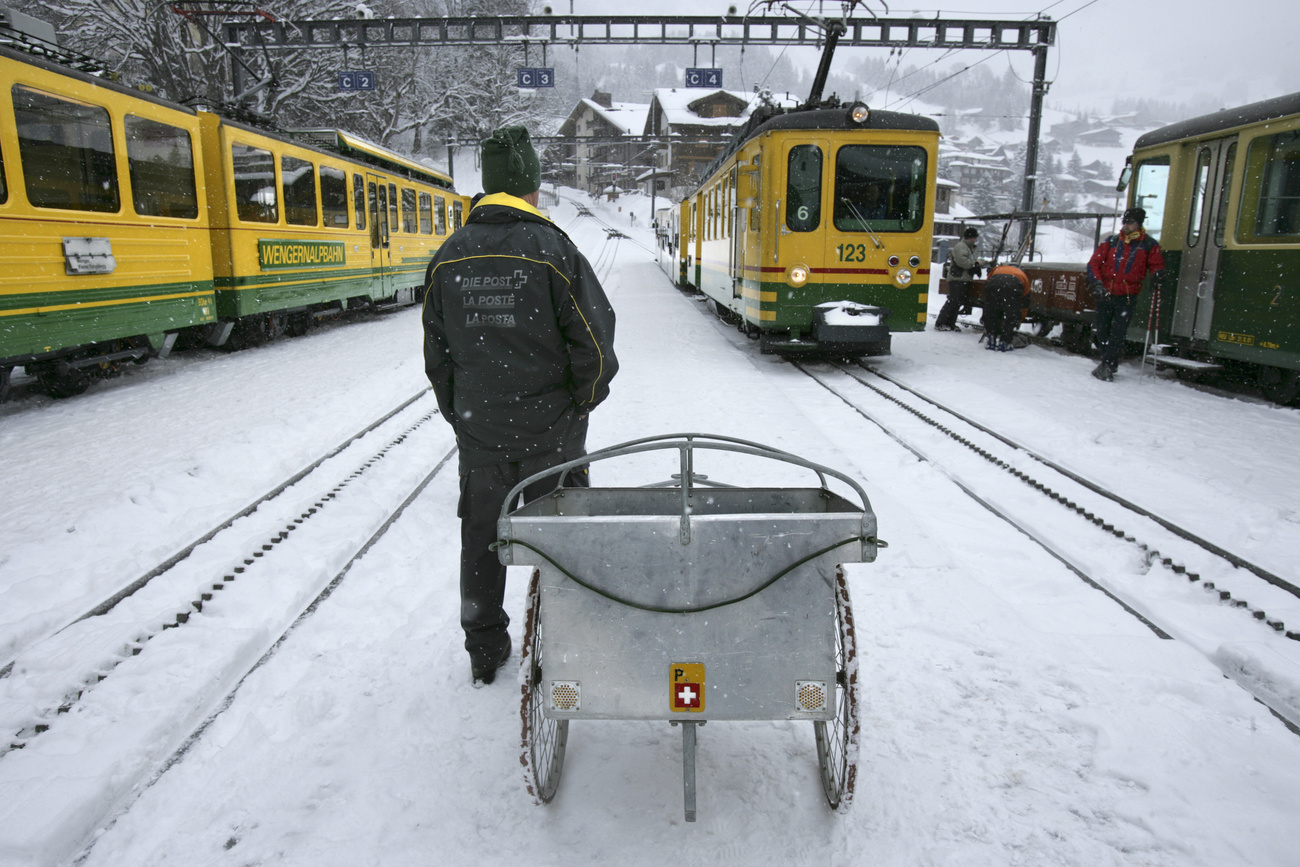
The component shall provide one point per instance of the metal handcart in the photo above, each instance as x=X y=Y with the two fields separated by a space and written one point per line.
x=689 y=601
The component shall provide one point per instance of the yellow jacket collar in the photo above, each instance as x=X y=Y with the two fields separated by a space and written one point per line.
x=510 y=202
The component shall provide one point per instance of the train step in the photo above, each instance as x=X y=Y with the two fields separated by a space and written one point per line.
x=1162 y=360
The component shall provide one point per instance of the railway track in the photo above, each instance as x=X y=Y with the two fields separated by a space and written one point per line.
x=1252 y=632
x=166 y=652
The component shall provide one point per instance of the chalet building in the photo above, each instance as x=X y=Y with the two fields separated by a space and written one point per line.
x=606 y=143
x=692 y=127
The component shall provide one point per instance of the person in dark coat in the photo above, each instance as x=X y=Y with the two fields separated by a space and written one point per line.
x=1005 y=294
x=1115 y=275
x=518 y=345
x=963 y=268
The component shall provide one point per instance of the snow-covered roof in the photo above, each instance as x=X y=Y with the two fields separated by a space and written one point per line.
x=675 y=103
x=627 y=116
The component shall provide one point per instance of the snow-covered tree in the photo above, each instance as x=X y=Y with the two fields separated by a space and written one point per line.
x=424 y=93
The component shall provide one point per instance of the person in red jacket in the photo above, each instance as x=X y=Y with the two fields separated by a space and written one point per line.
x=1115 y=274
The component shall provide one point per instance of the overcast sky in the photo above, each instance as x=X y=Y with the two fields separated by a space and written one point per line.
x=1232 y=52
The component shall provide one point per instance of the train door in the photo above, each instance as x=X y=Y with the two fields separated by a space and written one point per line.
x=1206 y=223
x=801 y=235
x=693 y=246
x=380 y=254
x=736 y=225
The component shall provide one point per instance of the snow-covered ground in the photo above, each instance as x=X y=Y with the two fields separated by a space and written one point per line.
x=1012 y=714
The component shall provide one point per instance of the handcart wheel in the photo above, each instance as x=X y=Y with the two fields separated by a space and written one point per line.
x=543 y=739
x=837 y=740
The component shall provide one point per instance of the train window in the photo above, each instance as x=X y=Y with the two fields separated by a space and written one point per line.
x=334 y=197
x=299 y=180
x=426 y=213
x=359 y=200
x=256 y=200
x=161 y=160
x=803 y=207
x=1221 y=219
x=392 y=207
x=439 y=215
x=4 y=187
x=410 y=218
x=457 y=215
x=1200 y=197
x=880 y=188
x=1150 y=191
x=1272 y=191
x=66 y=150
x=731 y=208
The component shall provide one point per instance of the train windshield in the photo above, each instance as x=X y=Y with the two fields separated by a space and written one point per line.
x=880 y=188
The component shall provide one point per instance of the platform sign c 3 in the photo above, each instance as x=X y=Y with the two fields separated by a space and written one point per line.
x=686 y=687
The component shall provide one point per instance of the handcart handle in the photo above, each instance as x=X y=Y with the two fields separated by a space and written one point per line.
x=685 y=444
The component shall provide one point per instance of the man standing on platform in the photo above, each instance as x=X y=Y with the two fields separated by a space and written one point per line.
x=1115 y=275
x=963 y=268
x=518 y=345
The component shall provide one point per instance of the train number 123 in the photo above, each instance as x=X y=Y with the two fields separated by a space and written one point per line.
x=852 y=252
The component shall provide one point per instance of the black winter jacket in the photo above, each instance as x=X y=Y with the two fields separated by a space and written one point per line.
x=518 y=334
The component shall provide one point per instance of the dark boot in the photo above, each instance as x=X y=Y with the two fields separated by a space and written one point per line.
x=485 y=670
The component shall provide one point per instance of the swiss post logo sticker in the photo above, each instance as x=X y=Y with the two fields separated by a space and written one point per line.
x=686 y=687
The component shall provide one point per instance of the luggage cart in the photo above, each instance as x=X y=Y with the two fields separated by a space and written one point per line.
x=689 y=601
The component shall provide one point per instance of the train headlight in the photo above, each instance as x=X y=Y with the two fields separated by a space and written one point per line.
x=859 y=113
x=797 y=275
x=915 y=261
x=893 y=261
x=903 y=277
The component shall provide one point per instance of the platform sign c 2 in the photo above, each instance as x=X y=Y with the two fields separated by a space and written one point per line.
x=703 y=77
x=357 y=79
x=686 y=687
x=529 y=77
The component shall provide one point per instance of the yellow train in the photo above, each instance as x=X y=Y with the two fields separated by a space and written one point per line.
x=127 y=222
x=812 y=230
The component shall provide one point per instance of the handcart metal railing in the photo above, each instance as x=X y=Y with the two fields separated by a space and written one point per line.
x=689 y=601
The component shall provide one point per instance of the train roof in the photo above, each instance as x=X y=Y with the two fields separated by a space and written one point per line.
x=360 y=149
x=49 y=65
x=1228 y=118
x=335 y=140
x=838 y=118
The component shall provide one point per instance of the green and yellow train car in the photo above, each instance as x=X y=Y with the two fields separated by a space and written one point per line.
x=315 y=221
x=103 y=224
x=127 y=221
x=1222 y=195
x=813 y=230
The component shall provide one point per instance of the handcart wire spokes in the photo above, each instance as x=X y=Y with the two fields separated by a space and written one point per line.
x=689 y=601
x=544 y=739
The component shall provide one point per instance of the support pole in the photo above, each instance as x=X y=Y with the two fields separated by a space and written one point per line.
x=688 y=768
x=1035 y=127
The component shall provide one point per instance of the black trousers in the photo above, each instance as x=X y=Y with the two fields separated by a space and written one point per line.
x=957 y=292
x=483 y=490
x=1114 y=312
x=1002 y=295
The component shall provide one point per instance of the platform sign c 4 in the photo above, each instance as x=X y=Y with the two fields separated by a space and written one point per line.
x=686 y=687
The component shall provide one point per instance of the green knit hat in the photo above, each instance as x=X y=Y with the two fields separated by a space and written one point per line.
x=510 y=164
